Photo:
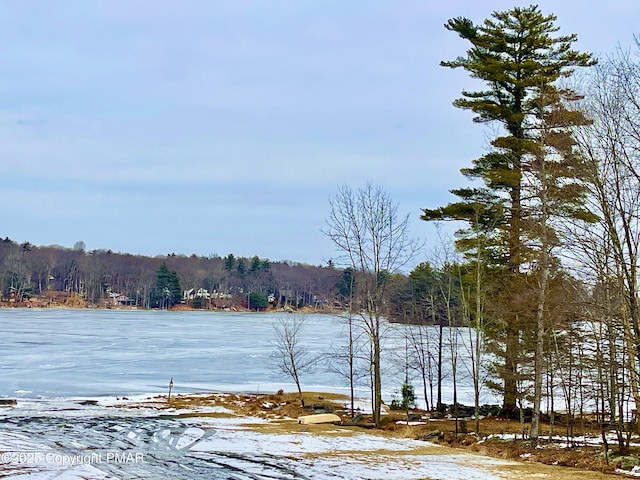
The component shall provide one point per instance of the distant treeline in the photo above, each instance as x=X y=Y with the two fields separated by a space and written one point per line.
x=103 y=277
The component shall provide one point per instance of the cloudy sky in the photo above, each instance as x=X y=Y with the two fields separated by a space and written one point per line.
x=216 y=127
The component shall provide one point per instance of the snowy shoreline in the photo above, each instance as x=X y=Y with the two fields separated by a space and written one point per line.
x=70 y=439
x=146 y=437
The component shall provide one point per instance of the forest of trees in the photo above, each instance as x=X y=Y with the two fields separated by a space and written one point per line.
x=104 y=278
x=543 y=273
x=545 y=267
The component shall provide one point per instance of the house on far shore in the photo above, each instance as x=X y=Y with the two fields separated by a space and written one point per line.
x=119 y=300
x=192 y=294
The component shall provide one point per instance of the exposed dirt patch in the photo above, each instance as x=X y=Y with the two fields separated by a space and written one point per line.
x=268 y=406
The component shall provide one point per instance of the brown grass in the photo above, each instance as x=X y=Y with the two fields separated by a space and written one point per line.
x=281 y=408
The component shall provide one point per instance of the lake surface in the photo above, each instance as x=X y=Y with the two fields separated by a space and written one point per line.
x=65 y=352
x=59 y=352
x=49 y=358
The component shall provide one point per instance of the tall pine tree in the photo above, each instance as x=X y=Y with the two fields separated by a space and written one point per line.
x=166 y=292
x=517 y=56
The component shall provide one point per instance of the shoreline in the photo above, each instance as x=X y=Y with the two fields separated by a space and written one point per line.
x=272 y=417
x=179 y=308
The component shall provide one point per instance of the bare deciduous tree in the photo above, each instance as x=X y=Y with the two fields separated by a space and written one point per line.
x=556 y=193
x=289 y=354
x=374 y=240
x=611 y=251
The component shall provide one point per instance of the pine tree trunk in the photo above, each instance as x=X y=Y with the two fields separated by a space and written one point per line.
x=509 y=404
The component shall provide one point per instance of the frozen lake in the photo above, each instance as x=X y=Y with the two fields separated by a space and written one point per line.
x=50 y=358
x=59 y=352
x=62 y=352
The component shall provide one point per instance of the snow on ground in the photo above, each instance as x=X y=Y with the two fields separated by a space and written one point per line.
x=68 y=440
x=342 y=454
x=23 y=458
x=560 y=441
x=634 y=472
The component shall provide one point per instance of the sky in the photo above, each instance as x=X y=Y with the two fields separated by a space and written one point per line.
x=213 y=127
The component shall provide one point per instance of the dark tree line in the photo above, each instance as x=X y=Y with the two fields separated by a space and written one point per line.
x=103 y=277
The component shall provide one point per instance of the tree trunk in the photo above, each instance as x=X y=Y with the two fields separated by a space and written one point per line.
x=538 y=364
x=439 y=406
x=377 y=377
x=509 y=404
